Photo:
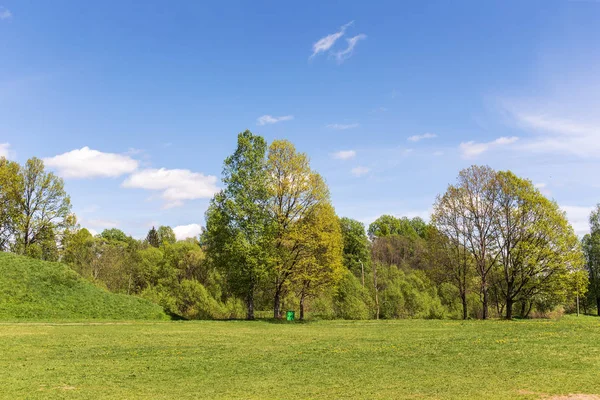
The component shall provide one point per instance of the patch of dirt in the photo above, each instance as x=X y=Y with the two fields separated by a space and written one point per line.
x=572 y=396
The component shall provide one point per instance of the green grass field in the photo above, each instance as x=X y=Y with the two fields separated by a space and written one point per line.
x=408 y=359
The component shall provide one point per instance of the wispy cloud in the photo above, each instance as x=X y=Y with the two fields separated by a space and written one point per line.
x=344 y=154
x=268 y=119
x=175 y=185
x=360 y=171
x=473 y=149
x=5 y=13
x=88 y=163
x=327 y=42
x=343 y=55
x=417 y=138
x=559 y=135
x=342 y=127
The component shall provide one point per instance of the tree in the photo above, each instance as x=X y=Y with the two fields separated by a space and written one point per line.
x=44 y=207
x=79 y=252
x=469 y=210
x=387 y=225
x=166 y=235
x=10 y=192
x=538 y=247
x=238 y=223
x=356 y=247
x=152 y=238
x=320 y=262
x=296 y=192
x=591 y=249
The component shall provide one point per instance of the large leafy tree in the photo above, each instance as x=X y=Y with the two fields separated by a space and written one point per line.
x=44 y=208
x=11 y=182
x=166 y=235
x=468 y=209
x=538 y=247
x=319 y=238
x=238 y=222
x=296 y=193
x=591 y=248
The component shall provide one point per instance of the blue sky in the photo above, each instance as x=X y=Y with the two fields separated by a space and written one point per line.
x=136 y=104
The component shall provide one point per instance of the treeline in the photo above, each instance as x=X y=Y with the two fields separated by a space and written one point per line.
x=495 y=247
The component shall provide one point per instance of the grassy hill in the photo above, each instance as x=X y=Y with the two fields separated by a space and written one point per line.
x=34 y=290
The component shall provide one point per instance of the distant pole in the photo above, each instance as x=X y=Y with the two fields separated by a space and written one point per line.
x=362 y=267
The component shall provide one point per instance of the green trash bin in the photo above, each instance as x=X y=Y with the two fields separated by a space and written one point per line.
x=290 y=315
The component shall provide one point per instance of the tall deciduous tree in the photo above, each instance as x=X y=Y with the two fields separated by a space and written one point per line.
x=319 y=238
x=238 y=222
x=44 y=207
x=296 y=191
x=537 y=244
x=473 y=200
x=10 y=193
x=166 y=235
x=591 y=248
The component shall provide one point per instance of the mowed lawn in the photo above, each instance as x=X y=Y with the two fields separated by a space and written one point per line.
x=329 y=359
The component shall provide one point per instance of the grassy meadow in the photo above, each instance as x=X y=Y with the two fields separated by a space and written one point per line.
x=408 y=359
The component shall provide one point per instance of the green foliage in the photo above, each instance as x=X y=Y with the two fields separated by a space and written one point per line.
x=152 y=238
x=32 y=289
x=238 y=224
x=351 y=300
x=387 y=225
x=356 y=246
x=166 y=235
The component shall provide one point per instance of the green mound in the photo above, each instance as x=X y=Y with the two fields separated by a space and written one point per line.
x=40 y=290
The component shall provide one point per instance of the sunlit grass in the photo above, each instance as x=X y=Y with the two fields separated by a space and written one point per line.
x=329 y=359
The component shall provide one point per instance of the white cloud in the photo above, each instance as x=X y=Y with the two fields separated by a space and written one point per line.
x=5 y=13
x=343 y=55
x=360 y=171
x=417 y=138
x=579 y=218
x=93 y=232
x=5 y=150
x=268 y=119
x=559 y=135
x=176 y=185
x=344 y=154
x=327 y=42
x=342 y=127
x=88 y=163
x=473 y=149
x=187 y=231
x=101 y=223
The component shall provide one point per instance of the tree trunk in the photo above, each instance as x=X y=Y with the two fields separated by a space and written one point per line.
x=463 y=297
x=509 y=308
x=277 y=304
x=302 y=298
x=598 y=304
x=376 y=291
x=250 y=306
x=484 y=290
